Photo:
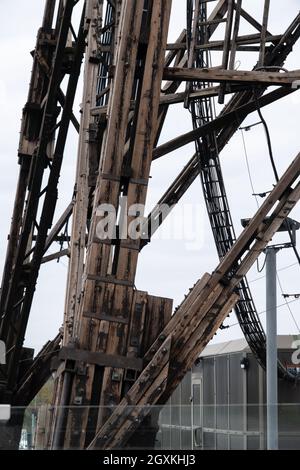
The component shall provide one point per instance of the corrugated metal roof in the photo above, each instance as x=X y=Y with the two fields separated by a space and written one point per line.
x=240 y=345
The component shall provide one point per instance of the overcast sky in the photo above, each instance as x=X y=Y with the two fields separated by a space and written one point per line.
x=167 y=267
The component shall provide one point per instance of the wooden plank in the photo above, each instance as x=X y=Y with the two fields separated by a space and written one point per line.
x=94 y=334
x=240 y=42
x=226 y=48
x=179 y=43
x=137 y=324
x=101 y=359
x=195 y=344
x=55 y=256
x=235 y=34
x=138 y=413
x=205 y=330
x=110 y=280
x=175 y=98
x=201 y=293
x=264 y=33
x=158 y=314
x=248 y=235
x=109 y=318
x=253 y=21
x=266 y=233
x=59 y=225
x=140 y=167
x=132 y=350
x=152 y=377
x=234 y=116
x=80 y=210
x=217 y=14
x=42 y=427
x=108 y=262
x=234 y=76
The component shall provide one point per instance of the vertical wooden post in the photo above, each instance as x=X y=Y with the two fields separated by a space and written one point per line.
x=80 y=211
x=98 y=296
x=226 y=50
x=264 y=33
x=235 y=34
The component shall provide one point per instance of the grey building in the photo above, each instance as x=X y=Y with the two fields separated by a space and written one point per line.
x=221 y=403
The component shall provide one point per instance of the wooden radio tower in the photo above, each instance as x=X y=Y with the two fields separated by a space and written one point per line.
x=123 y=350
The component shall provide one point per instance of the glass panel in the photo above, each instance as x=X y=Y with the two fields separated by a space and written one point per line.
x=196 y=405
x=30 y=428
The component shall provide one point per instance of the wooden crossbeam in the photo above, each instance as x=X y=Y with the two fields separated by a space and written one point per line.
x=232 y=76
x=101 y=359
x=220 y=122
x=55 y=256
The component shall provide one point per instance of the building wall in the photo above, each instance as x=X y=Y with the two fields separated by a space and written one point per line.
x=219 y=405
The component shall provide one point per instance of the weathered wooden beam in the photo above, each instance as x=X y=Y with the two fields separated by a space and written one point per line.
x=101 y=359
x=221 y=121
x=253 y=21
x=195 y=343
x=81 y=199
x=209 y=92
x=235 y=34
x=58 y=226
x=282 y=193
x=226 y=48
x=37 y=374
x=175 y=98
x=239 y=41
x=55 y=256
x=264 y=33
x=235 y=76
x=173 y=48
x=217 y=14
x=131 y=410
x=126 y=261
x=98 y=256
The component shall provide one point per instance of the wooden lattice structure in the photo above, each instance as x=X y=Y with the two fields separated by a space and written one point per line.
x=122 y=349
